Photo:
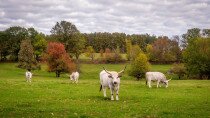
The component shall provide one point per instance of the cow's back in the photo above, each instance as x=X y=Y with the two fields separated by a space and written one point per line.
x=104 y=78
x=154 y=75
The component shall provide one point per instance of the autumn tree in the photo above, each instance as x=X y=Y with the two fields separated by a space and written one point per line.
x=58 y=60
x=40 y=45
x=26 y=58
x=165 y=50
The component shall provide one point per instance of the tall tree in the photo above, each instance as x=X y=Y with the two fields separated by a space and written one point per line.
x=128 y=49
x=40 y=44
x=3 y=46
x=197 y=57
x=26 y=58
x=76 y=44
x=190 y=36
x=15 y=35
x=63 y=31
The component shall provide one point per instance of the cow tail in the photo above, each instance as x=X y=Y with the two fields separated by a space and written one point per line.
x=146 y=82
x=100 y=88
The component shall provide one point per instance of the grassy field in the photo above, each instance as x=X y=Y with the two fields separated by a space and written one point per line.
x=48 y=96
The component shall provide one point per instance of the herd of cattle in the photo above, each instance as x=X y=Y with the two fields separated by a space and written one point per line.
x=111 y=80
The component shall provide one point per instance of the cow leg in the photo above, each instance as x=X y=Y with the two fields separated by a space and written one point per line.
x=158 y=83
x=149 y=84
x=112 y=94
x=117 y=92
x=104 y=90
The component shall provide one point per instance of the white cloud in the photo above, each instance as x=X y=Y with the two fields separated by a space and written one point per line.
x=167 y=17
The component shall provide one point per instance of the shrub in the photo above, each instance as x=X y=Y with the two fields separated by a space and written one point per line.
x=112 y=57
x=178 y=69
x=139 y=66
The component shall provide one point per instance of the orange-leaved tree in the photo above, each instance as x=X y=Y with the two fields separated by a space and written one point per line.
x=57 y=59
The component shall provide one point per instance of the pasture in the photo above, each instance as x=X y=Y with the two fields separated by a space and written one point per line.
x=48 y=96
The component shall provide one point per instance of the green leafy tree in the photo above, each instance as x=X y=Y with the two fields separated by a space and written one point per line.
x=15 y=35
x=196 y=57
x=128 y=49
x=63 y=31
x=3 y=46
x=90 y=52
x=26 y=58
x=76 y=44
x=135 y=50
x=139 y=66
x=40 y=45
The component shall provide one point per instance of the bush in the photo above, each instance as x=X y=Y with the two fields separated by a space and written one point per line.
x=110 y=57
x=178 y=69
x=139 y=66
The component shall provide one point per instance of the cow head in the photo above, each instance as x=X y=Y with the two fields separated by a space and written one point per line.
x=115 y=76
x=166 y=82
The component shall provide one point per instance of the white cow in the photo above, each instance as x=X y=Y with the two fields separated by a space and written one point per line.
x=156 y=76
x=111 y=80
x=74 y=77
x=28 y=76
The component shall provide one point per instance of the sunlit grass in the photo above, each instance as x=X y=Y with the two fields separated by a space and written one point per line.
x=48 y=96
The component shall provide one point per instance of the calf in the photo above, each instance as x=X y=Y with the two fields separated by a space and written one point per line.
x=111 y=80
x=28 y=75
x=74 y=77
x=156 y=76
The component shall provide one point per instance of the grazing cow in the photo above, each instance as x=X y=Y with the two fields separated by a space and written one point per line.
x=156 y=76
x=111 y=80
x=74 y=77
x=28 y=75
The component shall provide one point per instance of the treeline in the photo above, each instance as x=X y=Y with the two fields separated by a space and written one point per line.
x=191 y=48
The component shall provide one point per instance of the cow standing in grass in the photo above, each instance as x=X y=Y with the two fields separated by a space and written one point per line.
x=28 y=76
x=74 y=77
x=111 y=80
x=156 y=76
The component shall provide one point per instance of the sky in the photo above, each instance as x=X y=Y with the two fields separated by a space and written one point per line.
x=158 y=17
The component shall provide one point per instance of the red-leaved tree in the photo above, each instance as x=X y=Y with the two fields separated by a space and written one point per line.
x=58 y=60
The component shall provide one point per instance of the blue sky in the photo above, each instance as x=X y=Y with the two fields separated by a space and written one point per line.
x=159 y=17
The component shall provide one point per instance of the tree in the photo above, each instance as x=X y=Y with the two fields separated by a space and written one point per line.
x=15 y=35
x=3 y=46
x=128 y=49
x=40 y=44
x=58 y=60
x=76 y=44
x=190 y=36
x=26 y=58
x=165 y=50
x=196 y=57
x=63 y=31
x=90 y=52
x=139 y=66
x=135 y=50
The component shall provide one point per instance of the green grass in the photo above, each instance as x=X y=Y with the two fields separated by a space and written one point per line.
x=48 y=96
